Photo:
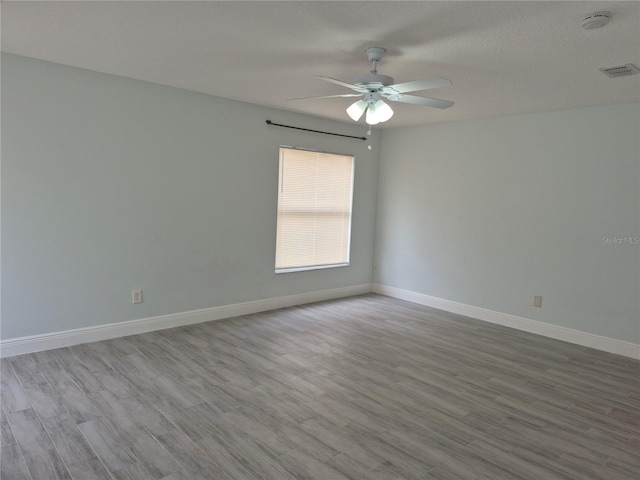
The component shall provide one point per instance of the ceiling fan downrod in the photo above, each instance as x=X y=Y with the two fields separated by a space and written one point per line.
x=375 y=54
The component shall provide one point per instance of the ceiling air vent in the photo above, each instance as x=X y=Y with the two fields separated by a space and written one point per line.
x=621 y=71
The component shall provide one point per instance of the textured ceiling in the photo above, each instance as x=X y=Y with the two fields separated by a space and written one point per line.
x=503 y=57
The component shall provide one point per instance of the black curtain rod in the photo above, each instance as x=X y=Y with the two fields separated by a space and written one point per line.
x=269 y=122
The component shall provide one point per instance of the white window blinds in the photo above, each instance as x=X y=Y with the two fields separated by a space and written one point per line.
x=314 y=210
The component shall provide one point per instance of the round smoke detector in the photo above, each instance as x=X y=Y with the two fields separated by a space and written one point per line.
x=596 y=20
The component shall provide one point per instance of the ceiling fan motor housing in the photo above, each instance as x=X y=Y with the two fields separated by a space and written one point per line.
x=373 y=81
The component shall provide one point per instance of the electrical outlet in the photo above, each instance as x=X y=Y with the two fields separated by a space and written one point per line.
x=537 y=301
x=375 y=269
x=136 y=296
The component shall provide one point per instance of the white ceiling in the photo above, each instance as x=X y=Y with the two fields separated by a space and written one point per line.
x=503 y=57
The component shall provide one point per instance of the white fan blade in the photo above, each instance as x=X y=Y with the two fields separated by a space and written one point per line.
x=344 y=84
x=425 y=101
x=327 y=96
x=426 y=84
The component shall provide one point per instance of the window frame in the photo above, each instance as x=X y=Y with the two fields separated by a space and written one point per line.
x=350 y=221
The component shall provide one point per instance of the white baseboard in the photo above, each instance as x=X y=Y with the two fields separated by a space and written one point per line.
x=606 y=344
x=48 y=341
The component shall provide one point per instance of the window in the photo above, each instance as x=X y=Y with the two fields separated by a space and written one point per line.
x=314 y=210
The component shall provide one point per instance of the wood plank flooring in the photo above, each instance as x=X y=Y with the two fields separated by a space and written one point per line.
x=363 y=388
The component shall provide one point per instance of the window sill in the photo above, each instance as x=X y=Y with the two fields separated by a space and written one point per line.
x=313 y=267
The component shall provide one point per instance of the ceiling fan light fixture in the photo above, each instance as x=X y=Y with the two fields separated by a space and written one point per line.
x=356 y=110
x=383 y=111
x=371 y=117
x=378 y=112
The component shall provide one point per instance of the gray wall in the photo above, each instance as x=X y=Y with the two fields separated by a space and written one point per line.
x=111 y=184
x=491 y=212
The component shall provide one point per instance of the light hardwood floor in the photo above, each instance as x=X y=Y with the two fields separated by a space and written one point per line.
x=363 y=388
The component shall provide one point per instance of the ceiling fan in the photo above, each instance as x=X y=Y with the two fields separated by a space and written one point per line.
x=374 y=87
